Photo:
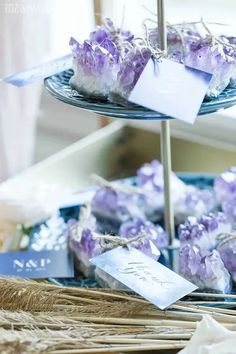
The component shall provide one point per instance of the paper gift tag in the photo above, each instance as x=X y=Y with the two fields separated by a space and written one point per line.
x=171 y=88
x=41 y=71
x=150 y=279
x=31 y=264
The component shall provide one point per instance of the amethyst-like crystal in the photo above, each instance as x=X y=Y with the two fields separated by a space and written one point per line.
x=229 y=208
x=122 y=38
x=174 y=41
x=114 y=205
x=225 y=190
x=97 y=60
x=225 y=185
x=152 y=237
x=82 y=242
x=179 y=39
x=205 y=269
x=154 y=233
x=130 y=70
x=203 y=232
x=227 y=250
x=230 y=49
x=95 y=67
x=194 y=202
x=150 y=178
x=211 y=57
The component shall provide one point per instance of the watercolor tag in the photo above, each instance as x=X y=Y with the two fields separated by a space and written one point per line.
x=146 y=277
x=40 y=72
x=171 y=88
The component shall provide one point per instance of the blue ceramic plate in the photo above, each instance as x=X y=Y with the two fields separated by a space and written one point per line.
x=58 y=86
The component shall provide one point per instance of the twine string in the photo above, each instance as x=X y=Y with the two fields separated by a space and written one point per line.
x=225 y=237
x=215 y=40
x=119 y=187
x=105 y=241
x=110 y=242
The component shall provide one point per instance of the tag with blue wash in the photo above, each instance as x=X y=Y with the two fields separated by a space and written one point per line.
x=40 y=72
x=171 y=88
x=146 y=277
x=37 y=265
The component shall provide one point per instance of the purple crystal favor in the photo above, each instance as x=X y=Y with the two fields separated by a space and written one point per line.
x=97 y=60
x=229 y=208
x=225 y=185
x=130 y=70
x=230 y=49
x=114 y=205
x=205 y=269
x=150 y=178
x=152 y=238
x=194 y=202
x=82 y=242
x=122 y=38
x=154 y=233
x=211 y=57
x=178 y=40
x=95 y=67
x=227 y=250
x=203 y=232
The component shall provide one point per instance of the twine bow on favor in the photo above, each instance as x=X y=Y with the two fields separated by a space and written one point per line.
x=157 y=54
x=213 y=39
x=110 y=242
x=225 y=238
x=106 y=241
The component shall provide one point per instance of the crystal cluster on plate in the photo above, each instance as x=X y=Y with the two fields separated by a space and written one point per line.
x=225 y=191
x=87 y=241
x=117 y=214
x=208 y=249
x=188 y=200
x=109 y=63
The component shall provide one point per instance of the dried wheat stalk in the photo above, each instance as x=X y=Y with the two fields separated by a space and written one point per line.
x=38 y=317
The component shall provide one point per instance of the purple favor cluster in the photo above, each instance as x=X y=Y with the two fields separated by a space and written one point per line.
x=83 y=244
x=205 y=269
x=202 y=255
x=97 y=60
x=187 y=200
x=111 y=204
x=109 y=63
x=207 y=236
x=214 y=58
x=225 y=190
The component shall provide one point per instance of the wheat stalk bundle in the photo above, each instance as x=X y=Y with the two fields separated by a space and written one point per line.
x=39 y=317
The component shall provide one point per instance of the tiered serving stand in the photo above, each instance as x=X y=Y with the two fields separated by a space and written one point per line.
x=58 y=86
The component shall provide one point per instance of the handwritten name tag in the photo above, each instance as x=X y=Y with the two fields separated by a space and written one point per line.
x=150 y=279
x=40 y=71
x=172 y=89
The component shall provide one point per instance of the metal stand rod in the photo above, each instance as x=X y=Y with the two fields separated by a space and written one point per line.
x=166 y=161
x=165 y=136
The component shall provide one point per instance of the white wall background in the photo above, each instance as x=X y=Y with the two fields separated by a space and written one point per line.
x=60 y=125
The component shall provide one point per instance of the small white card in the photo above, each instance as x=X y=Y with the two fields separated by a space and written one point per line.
x=40 y=71
x=171 y=88
x=148 y=278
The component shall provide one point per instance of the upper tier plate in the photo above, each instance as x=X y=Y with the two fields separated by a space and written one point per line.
x=58 y=86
